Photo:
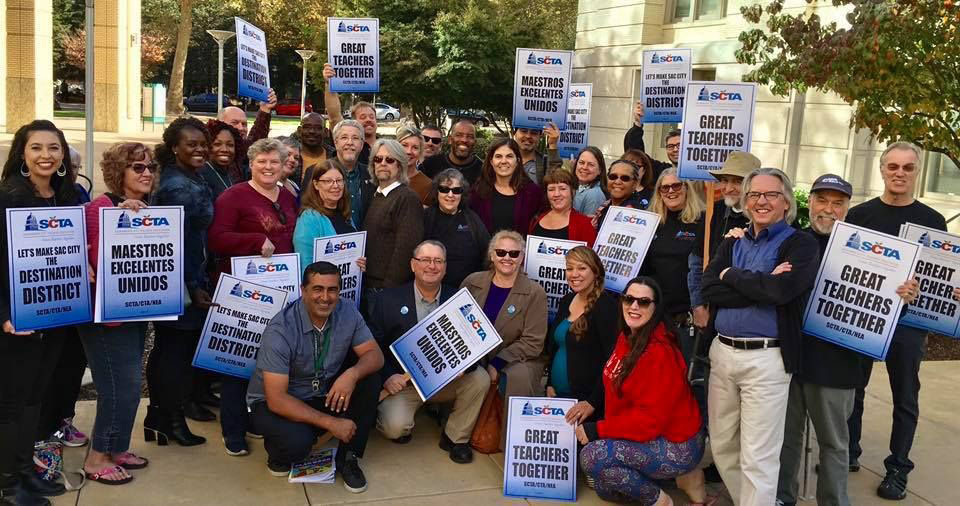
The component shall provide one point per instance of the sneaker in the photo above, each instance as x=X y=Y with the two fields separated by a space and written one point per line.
x=353 y=478
x=69 y=435
x=278 y=470
x=254 y=435
x=894 y=486
x=236 y=448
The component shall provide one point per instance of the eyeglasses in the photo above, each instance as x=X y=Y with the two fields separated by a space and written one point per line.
x=384 y=159
x=514 y=253
x=671 y=188
x=673 y=146
x=433 y=140
x=770 y=196
x=280 y=214
x=629 y=300
x=330 y=182
x=457 y=190
x=138 y=168
x=431 y=261
x=614 y=177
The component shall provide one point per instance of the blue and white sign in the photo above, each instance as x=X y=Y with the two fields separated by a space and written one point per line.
x=664 y=84
x=253 y=71
x=540 y=460
x=343 y=251
x=545 y=262
x=935 y=309
x=541 y=82
x=139 y=264
x=231 y=333
x=575 y=136
x=717 y=119
x=854 y=303
x=445 y=343
x=47 y=262
x=353 y=48
x=277 y=271
x=622 y=244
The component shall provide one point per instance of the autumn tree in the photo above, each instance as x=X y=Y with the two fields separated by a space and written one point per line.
x=895 y=61
x=184 y=29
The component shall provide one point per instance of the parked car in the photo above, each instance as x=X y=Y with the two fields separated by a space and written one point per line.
x=477 y=117
x=387 y=112
x=291 y=107
x=204 y=102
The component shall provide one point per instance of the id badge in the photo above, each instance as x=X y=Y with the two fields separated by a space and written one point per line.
x=316 y=385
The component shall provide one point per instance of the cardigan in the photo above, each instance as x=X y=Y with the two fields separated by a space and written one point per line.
x=310 y=225
x=244 y=219
x=528 y=203
x=578 y=229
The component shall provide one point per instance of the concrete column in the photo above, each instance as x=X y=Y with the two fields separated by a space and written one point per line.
x=117 y=66
x=27 y=86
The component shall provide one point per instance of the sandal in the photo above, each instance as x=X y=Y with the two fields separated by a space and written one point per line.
x=101 y=476
x=129 y=461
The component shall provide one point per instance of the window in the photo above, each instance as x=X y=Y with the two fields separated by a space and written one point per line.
x=692 y=10
x=943 y=176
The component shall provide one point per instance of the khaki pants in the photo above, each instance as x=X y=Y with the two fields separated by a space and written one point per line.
x=396 y=413
x=747 y=405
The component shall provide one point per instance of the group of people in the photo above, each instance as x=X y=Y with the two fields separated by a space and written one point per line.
x=439 y=220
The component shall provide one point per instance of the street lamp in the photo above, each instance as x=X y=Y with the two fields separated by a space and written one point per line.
x=220 y=36
x=306 y=54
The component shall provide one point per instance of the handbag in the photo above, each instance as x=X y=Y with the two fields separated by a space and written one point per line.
x=48 y=464
x=486 y=432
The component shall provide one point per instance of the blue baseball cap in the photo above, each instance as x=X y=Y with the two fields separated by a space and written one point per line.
x=832 y=182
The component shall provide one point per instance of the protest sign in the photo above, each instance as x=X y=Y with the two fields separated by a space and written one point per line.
x=541 y=80
x=253 y=71
x=343 y=251
x=445 y=343
x=664 y=84
x=575 y=136
x=622 y=243
x=935 y=309
x=854 y=303
x=47 y=262
x=278 y=271
x=139 y=264
x=717 y=119
x=545 y=262
x=541 y=450
x=353 y=48
x=231 y=333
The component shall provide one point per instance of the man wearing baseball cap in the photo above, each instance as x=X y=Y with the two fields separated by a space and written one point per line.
x=824 y=386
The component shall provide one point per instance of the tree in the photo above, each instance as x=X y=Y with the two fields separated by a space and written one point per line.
x=896 y=63
x=185 y=28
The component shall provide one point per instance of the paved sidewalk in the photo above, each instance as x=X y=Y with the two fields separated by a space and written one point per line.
x=420 y=474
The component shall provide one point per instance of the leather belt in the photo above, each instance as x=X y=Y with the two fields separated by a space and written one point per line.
x=749 y=344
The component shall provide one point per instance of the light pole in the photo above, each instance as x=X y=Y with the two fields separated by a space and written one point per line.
x=220 y=36
x=306 y=54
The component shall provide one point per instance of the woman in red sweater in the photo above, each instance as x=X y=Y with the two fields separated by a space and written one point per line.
x=651 y=428
x=562 y=221
x=252 y=218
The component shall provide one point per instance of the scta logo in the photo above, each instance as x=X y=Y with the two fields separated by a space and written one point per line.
x=343 y=27
x=636 y=220
x=551 y=250
x=33 y=224
x=718 y=96
x=474 y=322
x=272 y=267
x=238 y=291
x=341 y=246
x=141 y=222
x=533 y=59
x=877 y=248
x=578 y=94
x=670 y=58
x=945 y=246
x=546 y=410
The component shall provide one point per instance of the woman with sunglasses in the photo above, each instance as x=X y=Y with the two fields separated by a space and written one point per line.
x=256 y=218
x=650 y=428
x=448 y=219
x=591 y=171
x=115 y=351
x=517 y=307
x=624 y=187
x=324 y=211
x=506 y=198
x=562 y=221
x=223 y=168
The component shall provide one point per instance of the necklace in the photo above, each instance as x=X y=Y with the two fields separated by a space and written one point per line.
x=217 y=173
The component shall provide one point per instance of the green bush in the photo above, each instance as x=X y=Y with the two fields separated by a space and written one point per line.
x=803 y=207
x=484 y=138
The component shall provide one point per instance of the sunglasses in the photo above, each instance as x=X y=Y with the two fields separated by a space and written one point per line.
x=629 y=300
x=433 y=140
x=514 y=253
x=457 y=190
x=138 y=168
x=280 y=215
x=614 y=177
x=671 y=188
x=384 y=159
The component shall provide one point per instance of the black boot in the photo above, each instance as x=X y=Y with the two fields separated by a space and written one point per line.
x=194 y=411
x=30 y=483
x=18 y=496
x=162 y=425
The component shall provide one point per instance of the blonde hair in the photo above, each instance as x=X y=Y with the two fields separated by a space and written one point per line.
x=692 y=208
x=513 y=235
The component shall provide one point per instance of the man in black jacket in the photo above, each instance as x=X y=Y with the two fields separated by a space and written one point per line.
x=396 y=311
x=756 y=287
x=824 y=385
x=633 y=139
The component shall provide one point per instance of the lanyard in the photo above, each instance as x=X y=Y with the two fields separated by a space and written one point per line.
x=319 y=352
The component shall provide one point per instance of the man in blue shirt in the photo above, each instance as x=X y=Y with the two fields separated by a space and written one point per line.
x=307 y=380
x=756 y=287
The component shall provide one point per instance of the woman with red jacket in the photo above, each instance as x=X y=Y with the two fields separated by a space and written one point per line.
x=562 y=221
x=651 y=427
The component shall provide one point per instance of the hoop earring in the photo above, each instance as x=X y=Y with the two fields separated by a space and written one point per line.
x=23 y=170
x=62 y=171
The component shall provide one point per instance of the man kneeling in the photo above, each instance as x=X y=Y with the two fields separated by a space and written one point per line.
x=396 y=311
x=307 y=381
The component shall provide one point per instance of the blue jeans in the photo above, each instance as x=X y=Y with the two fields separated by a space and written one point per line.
x=115 y=355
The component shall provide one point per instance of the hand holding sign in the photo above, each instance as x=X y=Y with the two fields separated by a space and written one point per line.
x=271 y=102
x=909 y=290
x=638 y=114
x=579 y=412
x=8 y=328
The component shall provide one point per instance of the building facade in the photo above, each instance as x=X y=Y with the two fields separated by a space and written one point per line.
x=805 y=134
